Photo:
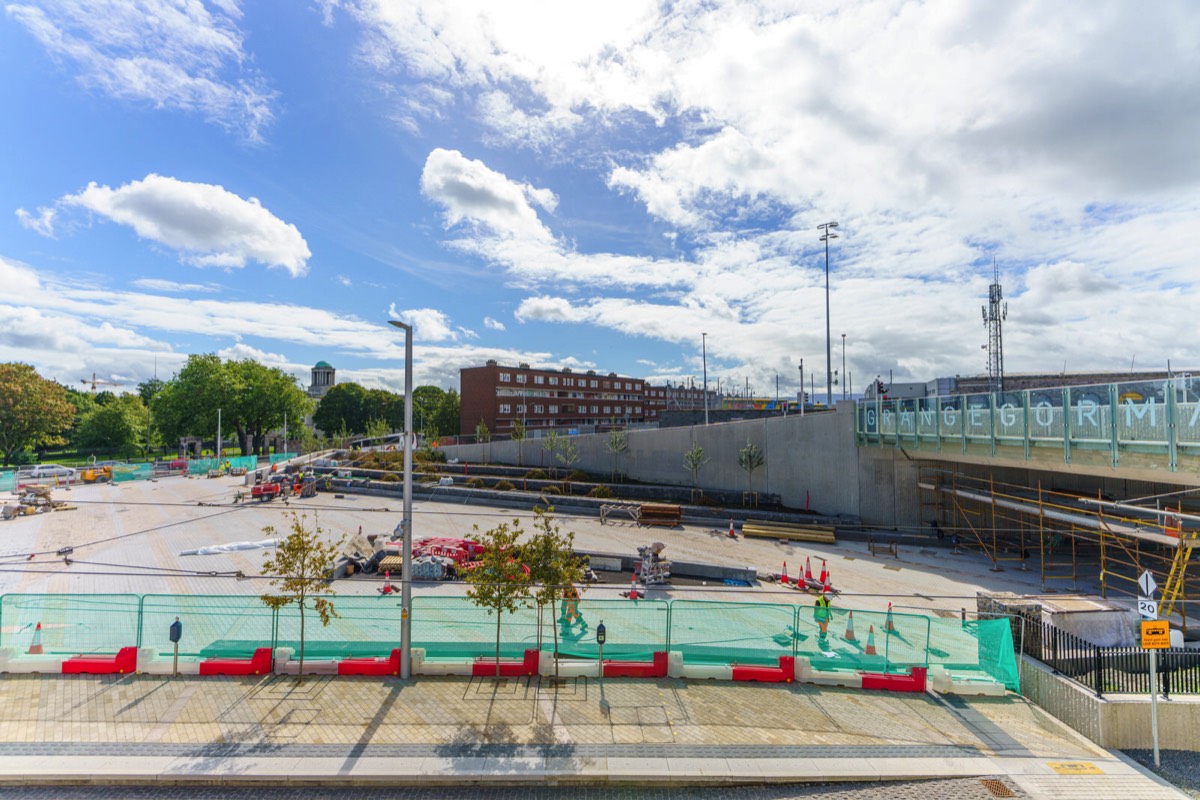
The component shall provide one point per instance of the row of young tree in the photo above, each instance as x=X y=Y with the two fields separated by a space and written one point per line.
x=516 y=570
x=348 y=408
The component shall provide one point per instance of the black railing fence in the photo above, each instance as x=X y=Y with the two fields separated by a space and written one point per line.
x=1115 y=670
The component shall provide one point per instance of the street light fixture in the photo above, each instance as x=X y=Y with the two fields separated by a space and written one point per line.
x=827 y=233
x=406 y=522
x=704 y=353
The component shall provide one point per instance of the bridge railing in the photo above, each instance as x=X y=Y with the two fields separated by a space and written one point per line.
x=1143 y=423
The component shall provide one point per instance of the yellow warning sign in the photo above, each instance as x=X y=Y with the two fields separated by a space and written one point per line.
x=1156 y=634
x=1074 y=768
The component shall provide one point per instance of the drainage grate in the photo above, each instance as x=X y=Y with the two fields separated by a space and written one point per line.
x=997 y=788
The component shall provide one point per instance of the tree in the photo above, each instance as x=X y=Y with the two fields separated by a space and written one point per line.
x=553 y=565
x=568 y=455
x=750 y=458
x=342 y=407
x=380 y=404
x=499 y=583
x=550 y=443
x=426 y=400
x=483 y=436
x=618 y=445
x=119 y=426
x=187 y=405
x=518 y=436
x=34 y=412
x=377 y=429
x=299 y=568
x=446 y=417
x=149 y=388
x=693 y=460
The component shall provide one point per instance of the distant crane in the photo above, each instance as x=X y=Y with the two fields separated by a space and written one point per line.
x=94 y=382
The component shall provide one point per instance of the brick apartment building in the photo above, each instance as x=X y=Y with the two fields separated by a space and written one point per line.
x=548 y=399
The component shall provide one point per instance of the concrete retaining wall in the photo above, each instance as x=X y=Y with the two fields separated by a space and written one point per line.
x=1117 y=721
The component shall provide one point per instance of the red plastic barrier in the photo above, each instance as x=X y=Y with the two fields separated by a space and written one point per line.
x=258 y=664
x=914 y=682
x=370 y=666
x=784 y=673
x=122 y=663
x=637 y=669
x=484 y=667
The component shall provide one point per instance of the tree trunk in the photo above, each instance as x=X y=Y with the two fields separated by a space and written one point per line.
x=300 y=674
x=498 y=613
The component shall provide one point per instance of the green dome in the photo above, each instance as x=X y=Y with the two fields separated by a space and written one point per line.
x=323 y=365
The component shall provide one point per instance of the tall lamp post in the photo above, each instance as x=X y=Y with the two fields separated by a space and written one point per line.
x=704 y=354
x=843 y=366
x=802 y=387
x=406 y=543
x=827 y=234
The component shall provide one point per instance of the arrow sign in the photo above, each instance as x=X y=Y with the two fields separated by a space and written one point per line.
x=1147 y=608
x=1147 y=583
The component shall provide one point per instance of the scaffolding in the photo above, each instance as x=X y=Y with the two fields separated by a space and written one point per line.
x=1071 y=537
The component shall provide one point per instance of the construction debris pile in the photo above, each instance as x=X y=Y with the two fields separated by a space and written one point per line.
x=34 y=499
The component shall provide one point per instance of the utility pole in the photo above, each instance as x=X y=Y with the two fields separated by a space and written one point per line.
x=827 y=234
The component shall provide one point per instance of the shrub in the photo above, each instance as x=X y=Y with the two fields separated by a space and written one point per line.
x=476 y=483
x=705 y=500
x=552 y=490
x=391 y=477
x=503 y=486
x=600 y=491
x=535 y=475
x=579 y=475
x=430 y=454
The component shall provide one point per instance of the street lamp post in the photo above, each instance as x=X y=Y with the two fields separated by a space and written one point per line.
x=406 y=553
x=802 y=387
x=704 y=353
x=843 y=366
x=827 y=233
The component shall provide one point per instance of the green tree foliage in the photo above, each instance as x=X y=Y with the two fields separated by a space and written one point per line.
x=617 y=444
x=342 y=408
x=118 y=427
x=553 y=566
x=518 y=436
x=484 y=436
x=34 y=412
x=750 y=458
x=499 y=584
x=550 y=444
x=426 y=400
x=693 y=461
x=446 y=419
x=387 y=407
x=149 y=388
x=300 y=568
x=568 y=455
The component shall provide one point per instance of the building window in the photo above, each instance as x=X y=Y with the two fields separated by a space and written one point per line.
x=505 y=377
x=594 y=384
x=505 y=408
x=554 y=380
x=629 y=387
x=539 y=409
x=520 y=379
x=553 y=409
x=521 y=409
x=595 y=409
x=568 y=381
x=608 y=410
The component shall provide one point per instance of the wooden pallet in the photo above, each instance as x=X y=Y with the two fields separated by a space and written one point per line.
x=659 y=514
x=823 y=534
x=882 y=548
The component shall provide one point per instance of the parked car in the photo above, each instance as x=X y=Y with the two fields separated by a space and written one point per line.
x=43 y=471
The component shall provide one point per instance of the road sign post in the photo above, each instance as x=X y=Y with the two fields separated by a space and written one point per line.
x=1156 y=635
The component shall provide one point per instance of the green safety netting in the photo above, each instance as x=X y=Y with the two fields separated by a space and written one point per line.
x=277 y=457
x=132 y=472
x=703 y=631
x=8 y=481
x=71 y=623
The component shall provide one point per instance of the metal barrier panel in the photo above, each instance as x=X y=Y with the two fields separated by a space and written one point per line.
x=8 y=481
x=275 y=458
x=227 y=626
x=634 y=629
x=72 y=624
x=364 y=626
x=975 y=650
x=709 y=631
x=454 y=627
x=904 y=647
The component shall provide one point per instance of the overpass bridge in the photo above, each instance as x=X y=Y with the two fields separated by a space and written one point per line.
x=1120 y=434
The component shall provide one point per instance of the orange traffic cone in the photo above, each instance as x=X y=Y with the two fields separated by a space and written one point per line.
x=784 y=578
x=807 y=570
x=824 y=579
x=732 y=535
x=849 y=634
x=35 y=649
x=387 y=582
x=633 y=592
x=888 y=625
x=870 y=648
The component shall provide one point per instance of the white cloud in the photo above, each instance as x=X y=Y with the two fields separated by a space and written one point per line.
x=160 y=285
x=493 y=324
x=42 y=223
x=184 y=56
x=207 y=225
x=428 y=324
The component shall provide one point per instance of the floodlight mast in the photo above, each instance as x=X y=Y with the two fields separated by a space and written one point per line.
x=406 y=554
x=827 y=233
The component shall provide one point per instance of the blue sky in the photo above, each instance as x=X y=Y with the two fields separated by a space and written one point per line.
x=595 y=185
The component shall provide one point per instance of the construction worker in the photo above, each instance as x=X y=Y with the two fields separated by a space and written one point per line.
x=821 y=615
x=570 y=608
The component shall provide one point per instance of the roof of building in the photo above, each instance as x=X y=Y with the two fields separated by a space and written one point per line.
x=323 y=365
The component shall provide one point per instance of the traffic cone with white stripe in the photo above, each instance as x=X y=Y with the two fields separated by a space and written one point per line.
x=633 y=592
x=387 y=582
x=732 y=535
x=849 y=634
x=888 y=625
x=870 y=648
x=784 y=578
x=35 y=649
x=824 y=579
x=807 y=570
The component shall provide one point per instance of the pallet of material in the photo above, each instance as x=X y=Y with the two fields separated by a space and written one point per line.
x=667 y=516
x=823 y=534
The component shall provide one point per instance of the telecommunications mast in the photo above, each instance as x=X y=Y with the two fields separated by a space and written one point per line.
x=994 y=315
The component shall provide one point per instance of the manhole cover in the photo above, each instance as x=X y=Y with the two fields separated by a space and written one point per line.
x=997 y=788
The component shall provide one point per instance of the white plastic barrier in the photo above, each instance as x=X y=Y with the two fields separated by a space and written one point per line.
x=150 y=662
x=942 y=682
x=806 y=674
x=286 y=665
x=420 y=666
x=13 y=661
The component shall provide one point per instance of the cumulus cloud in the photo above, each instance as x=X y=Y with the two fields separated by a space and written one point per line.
x=161 y=285
x=493 y=324
x=41 y=223
x=428 y=324
x=183 y=56
x=208 y=225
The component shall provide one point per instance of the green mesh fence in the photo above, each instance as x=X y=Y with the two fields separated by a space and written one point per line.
x=122 y=473
x=980 y=650
x=8 y=481
x=277 y=457
x=746 y=633
x=71 y=623
x=201 y=466
x=453 y=627
x=364 y=626
x=229 y=626
x=634 y=630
